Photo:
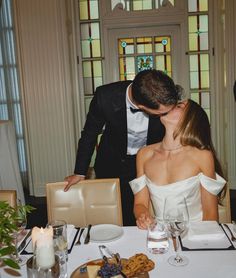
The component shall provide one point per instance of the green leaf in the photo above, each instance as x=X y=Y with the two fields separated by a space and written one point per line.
x=7 y=250
x=11 y=263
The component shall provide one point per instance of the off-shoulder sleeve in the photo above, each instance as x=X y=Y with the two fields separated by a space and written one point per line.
x=213 y=186
x=138 y=184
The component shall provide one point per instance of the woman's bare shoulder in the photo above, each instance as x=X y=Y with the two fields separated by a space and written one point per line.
x=203 y=154
x=204 y=159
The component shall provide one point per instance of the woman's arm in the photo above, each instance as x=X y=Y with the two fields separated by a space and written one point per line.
x=209 y=200
x=142 y=198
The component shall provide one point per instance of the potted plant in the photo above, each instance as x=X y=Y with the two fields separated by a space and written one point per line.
x=8 y=227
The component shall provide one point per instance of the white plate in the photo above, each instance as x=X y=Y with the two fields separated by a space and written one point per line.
x=104 y=233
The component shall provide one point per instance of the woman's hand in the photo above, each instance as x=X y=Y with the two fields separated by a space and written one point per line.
x=144 y=220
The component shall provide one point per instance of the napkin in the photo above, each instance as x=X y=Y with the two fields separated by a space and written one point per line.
x=70 y=230
x=205 y=230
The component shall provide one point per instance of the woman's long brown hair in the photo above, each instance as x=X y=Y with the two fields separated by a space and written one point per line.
x=194 y=130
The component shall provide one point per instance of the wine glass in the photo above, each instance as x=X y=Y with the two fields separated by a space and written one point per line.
x=176 y=217
x=21 y=223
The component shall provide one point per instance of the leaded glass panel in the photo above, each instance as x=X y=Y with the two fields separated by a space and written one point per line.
x=127 y=68
x=144 y=45
x=162 y=44
x=204 y=79
x=88 y=9
x=197 y=5
x=195 y=96
x=140 y=5
x=194 y=80
x=126 y=46
x=204 y=62
x=92 y=73
x=90 y=40
x=131 y=61
x=198 y=32
x=163 y=62
x=144 y=62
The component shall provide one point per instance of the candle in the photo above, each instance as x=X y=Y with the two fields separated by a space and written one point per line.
x=42 y=240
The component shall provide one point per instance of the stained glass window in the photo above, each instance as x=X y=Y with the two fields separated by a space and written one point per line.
x=199 y=53
x=141 y=53
x=140 y=5
x=90 y=47
x=144 y=62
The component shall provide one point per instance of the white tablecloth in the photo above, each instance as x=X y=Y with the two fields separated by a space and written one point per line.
x=202 y=264
x=9 y=167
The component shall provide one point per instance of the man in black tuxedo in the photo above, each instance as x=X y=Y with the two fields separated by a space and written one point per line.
x=127 y=113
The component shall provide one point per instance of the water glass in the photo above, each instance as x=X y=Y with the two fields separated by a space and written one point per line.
x=157 y=238
x=60 y=244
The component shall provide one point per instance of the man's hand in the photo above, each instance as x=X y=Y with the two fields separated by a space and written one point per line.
x=73 y=179
x=144 y=220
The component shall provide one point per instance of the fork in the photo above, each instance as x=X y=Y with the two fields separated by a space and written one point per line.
x=233 y=238
x=78 y=242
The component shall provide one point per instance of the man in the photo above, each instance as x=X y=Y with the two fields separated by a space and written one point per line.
x=127 y=113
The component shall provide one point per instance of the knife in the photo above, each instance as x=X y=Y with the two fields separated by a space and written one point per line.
x=23 y=242
x=87 y=238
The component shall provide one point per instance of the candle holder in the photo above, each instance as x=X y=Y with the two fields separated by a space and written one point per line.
x=33 y=271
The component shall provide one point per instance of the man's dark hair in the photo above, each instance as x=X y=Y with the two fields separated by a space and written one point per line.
x=153 y=87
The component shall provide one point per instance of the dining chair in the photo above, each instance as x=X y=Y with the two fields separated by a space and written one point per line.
x=9 y=196
x=91 y=201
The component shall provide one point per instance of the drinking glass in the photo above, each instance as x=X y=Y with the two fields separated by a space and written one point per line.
x=176 y=218
x=157 y=238
x=60 y=244
x=21 y=223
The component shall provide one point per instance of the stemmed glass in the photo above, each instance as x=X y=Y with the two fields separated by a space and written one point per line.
x=176 y=218
x=21 y=223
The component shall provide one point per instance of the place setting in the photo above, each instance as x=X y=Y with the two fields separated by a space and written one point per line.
x=207 y=235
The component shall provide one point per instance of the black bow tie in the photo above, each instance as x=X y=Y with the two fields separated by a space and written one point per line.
x=133 y=110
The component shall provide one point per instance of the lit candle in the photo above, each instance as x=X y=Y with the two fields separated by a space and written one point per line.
x=42 y=240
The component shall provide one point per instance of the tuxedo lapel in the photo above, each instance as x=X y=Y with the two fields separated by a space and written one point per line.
x=120 y=117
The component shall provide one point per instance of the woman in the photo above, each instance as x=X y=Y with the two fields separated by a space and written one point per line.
x=183 y=163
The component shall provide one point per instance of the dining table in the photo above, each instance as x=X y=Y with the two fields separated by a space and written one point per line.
x=202 y=263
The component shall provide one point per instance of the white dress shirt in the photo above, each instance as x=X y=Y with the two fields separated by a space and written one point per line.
x=137 y=127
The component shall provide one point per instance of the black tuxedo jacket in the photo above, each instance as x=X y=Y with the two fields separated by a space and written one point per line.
x=107 y=113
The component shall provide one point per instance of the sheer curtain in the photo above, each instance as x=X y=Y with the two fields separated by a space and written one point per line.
x=10 y=99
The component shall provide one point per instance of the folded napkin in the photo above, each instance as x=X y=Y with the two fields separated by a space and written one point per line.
x=70 y=230
x=205 y=230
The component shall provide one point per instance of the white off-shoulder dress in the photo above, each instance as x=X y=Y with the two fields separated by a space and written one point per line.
x=188 y=188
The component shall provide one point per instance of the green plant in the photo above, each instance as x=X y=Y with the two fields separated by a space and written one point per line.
x=8 y=219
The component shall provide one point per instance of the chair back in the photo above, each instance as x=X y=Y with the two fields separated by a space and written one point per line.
x=95 y=201
x=9 y=196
